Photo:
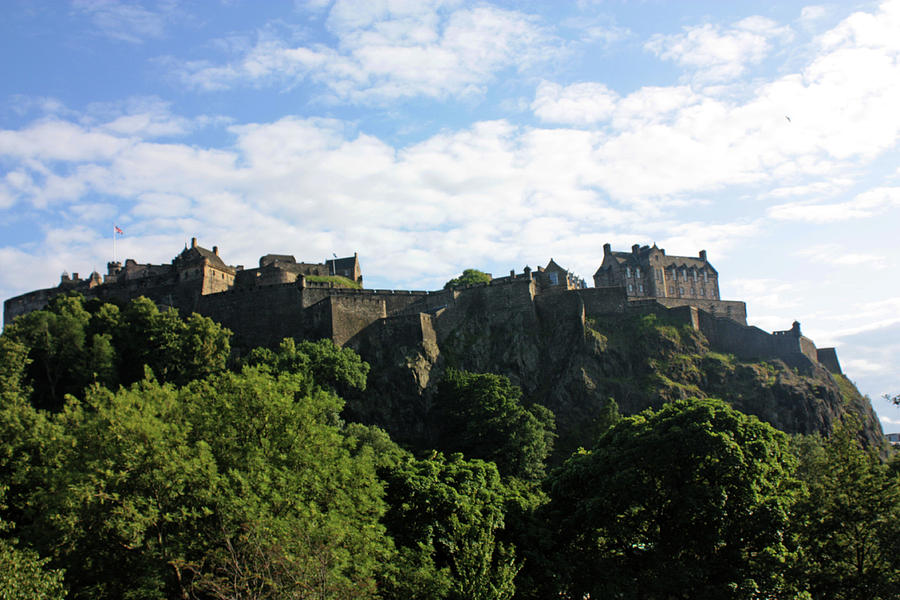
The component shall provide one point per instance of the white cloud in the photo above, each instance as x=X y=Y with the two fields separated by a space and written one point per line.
x=387 y=50
x=814 y=12
x=834 y=254
x=127 y=21
x=865 y=205
x=576 y=104
x=765 y=293
x=55 y=139
x=718 y=54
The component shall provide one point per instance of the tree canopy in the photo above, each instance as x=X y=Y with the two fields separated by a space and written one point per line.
x=468 y=277
x=73 y=343
x=481 y=415
x=691 y=501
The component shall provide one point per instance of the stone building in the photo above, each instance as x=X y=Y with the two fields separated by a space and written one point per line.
x=647 y=273
x=275 y=269
x=555 y=277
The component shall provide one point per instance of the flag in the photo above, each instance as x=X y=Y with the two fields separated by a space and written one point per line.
x=118 y=230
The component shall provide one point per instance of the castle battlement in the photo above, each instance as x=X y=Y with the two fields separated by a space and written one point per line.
x=285 y=298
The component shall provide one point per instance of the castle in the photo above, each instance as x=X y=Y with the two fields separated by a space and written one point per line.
x=283 y=298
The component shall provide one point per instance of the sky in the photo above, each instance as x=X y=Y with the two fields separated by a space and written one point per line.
x=432 y=136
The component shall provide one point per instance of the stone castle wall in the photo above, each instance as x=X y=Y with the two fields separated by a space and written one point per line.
x=273 y=308
x=603 y=300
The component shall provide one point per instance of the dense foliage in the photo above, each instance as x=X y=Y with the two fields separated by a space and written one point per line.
x=135 y=464
x=692 y=501
x=74 y=343
x=468 y=277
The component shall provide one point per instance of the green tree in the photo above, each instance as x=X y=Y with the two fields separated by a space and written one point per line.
x=468 y=277
x=176 y=350
x=481 y=415
x=63 y=357
x=850 y=521
x=297 y=510
x=445 y=516
x=72 y=344
x=692 y=501
x=23 y=574
x=340 y=369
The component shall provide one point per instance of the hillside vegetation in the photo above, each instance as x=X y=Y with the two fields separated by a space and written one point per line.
x=141 y=458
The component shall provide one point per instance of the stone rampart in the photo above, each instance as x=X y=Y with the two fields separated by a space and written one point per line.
x=828 y=358
x=749 y=342
x=350 y=314
x=260 y=316
x=603 y=300
x=732 y=309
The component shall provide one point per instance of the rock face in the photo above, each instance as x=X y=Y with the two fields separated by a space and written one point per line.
x=575 y=364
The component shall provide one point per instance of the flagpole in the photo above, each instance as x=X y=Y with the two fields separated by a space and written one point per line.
x=115 y=256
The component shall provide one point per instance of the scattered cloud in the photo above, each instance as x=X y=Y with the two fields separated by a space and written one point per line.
x=128 y=21
x=812 y=13
x=716 y=53
x=576 y=104
x=834 y=254
x=865 y=205
x=387 y=51
x=763 y=293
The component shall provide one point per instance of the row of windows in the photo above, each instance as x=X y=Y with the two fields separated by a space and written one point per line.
x=693 y=292
x=673 y=274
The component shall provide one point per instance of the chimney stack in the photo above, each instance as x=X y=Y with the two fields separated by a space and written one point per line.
x=216 y=250
x=607 y=249
x=193 y=242
x=635 y=248
x=703 y=255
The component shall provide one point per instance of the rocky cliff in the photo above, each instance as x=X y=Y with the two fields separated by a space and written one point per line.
x=575 y=365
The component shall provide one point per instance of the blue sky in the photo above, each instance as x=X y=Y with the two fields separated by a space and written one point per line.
x=432 y=136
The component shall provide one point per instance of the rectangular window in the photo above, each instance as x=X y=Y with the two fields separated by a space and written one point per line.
x=627 y=271
x=641 y=288
x=659 y=274
x=637 y=271
x=705 y=276
x=554 y=278
x=694 y=273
